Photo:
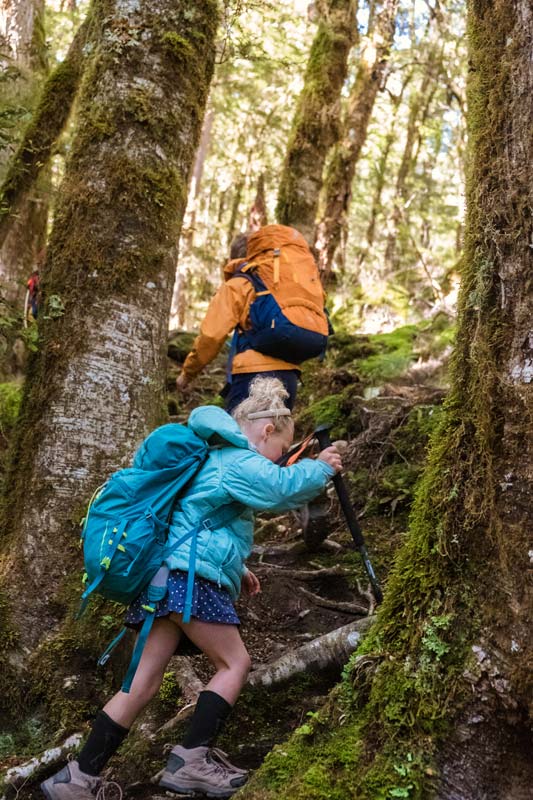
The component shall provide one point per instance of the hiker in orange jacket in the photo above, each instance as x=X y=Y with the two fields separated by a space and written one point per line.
x=230 y=309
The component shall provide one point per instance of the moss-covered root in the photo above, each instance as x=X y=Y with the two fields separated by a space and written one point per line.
x=46 y=126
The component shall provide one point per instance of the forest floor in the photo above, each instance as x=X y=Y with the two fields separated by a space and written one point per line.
x=382 y=396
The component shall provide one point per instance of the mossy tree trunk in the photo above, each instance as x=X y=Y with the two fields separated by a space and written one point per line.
x=23 y=49
x=315 y=126
x=97 y=385
x=371 y=70
x=47 y=123
x=438 y=700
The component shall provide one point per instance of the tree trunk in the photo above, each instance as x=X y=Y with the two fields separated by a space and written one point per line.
x=196 y=178
x=341 y=169
x=48 y=122
x=235 y=205
x=97 y=385
x=316 y=120
x=446 y=710
x=23 y=47
x=418 y=110
x=258 y=212
x=381 y=169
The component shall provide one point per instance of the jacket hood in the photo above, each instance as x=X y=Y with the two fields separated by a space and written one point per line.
x=216 y=426
x=231 y=266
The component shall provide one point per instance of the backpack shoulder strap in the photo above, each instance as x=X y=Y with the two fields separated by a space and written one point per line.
x=249 y=273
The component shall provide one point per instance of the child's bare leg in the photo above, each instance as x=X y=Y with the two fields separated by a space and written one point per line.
x=194 y=765
x=224 y=647
x=160 y=646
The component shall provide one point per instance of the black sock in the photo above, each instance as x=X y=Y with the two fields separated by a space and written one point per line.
x=207 y=721
x=103 y=742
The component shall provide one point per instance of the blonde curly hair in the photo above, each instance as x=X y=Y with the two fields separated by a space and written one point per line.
x=266 y=395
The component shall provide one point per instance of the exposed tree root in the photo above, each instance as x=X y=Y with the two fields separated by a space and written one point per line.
x=16 y=777
x=293 y=548
x=337 y=605
x=305 y=574
x=190 y=685
x=331 y=648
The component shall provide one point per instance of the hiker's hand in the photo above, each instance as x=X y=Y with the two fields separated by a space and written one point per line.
x=332 y=457
x=183 y=383
x=250 y=583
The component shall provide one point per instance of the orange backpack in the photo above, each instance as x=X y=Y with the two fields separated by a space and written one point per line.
x=287 y=316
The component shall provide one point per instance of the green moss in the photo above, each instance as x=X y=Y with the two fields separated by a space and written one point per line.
x=47 y=123
x=395 y=355
x=181 y=48
x=169 y=691
x=10 y=397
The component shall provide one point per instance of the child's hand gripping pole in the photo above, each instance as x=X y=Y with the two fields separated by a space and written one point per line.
x=322 y=435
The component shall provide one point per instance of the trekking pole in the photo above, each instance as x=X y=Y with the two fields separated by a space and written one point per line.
x=322 y=435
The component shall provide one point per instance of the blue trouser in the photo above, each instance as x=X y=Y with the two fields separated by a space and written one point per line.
x=238 y=390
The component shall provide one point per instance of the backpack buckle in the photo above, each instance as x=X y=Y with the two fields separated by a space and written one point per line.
x=207 y=524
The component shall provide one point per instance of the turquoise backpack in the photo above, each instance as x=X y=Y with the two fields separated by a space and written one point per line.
x=125 y=530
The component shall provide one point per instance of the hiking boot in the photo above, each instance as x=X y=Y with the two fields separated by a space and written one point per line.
x=73 y=784
x=201 y=770
x=219 y=755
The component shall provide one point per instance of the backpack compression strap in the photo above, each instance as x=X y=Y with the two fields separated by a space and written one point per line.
x=158 y=586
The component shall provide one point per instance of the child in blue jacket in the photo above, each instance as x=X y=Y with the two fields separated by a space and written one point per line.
x=241 y=466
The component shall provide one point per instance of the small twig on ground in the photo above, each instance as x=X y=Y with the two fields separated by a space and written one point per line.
x=190 y=685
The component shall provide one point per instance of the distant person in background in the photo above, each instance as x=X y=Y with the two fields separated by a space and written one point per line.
x=33 y=292
x=273 y=300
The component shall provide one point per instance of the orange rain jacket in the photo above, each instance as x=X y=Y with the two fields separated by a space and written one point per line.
x=229 y=308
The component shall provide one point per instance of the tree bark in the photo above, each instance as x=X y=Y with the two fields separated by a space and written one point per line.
x=97 y=385
x=341 y=168
x=316 y=120
x=447 y=712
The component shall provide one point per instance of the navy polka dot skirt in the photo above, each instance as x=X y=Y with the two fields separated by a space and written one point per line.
x=210 y=603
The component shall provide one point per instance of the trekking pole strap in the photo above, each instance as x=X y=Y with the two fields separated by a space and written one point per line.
x=106 y=655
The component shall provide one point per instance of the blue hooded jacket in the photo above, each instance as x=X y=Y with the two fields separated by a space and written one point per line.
x=234 y=470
